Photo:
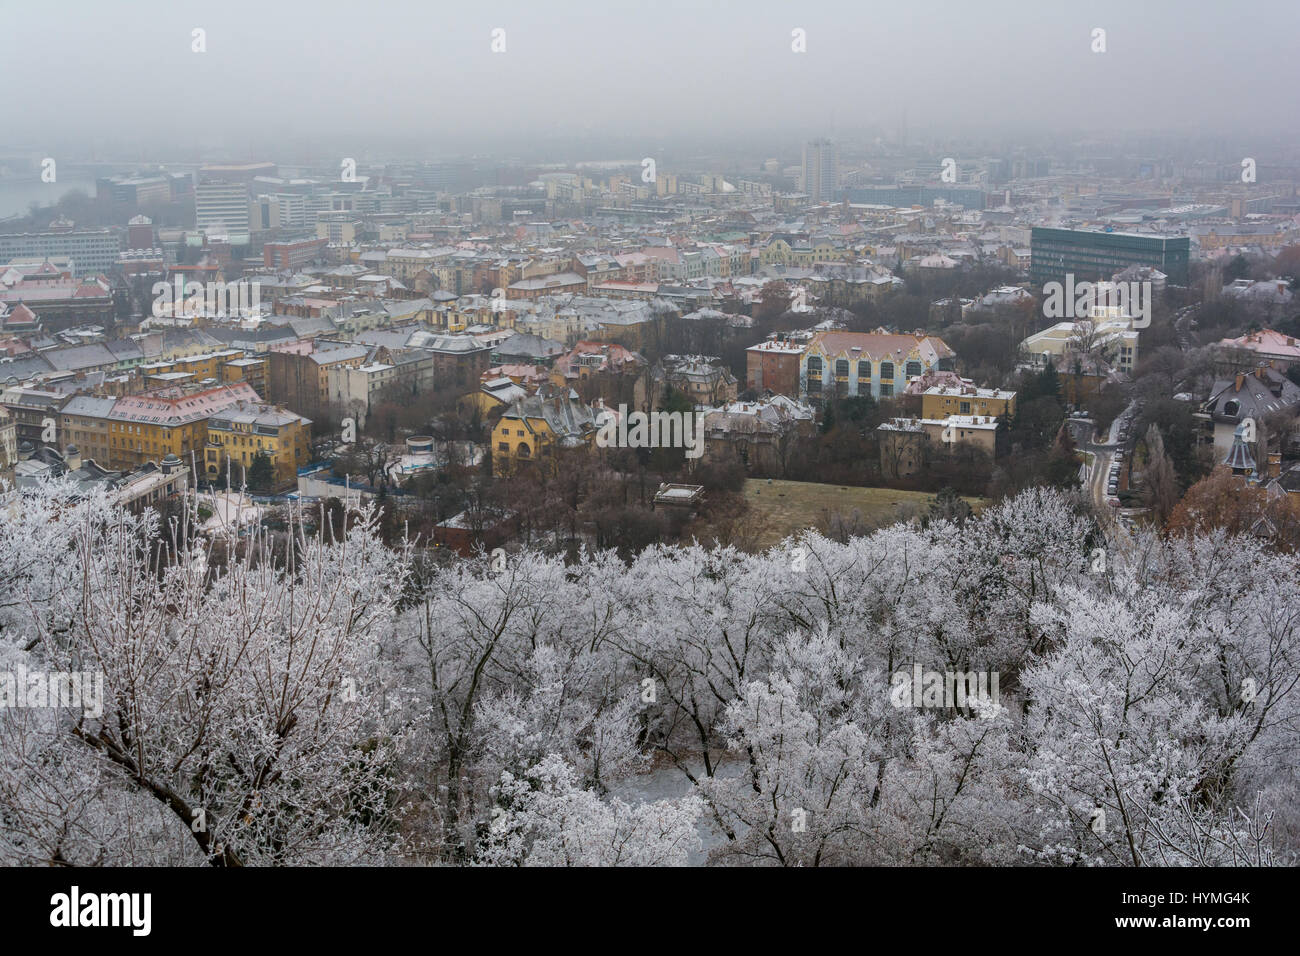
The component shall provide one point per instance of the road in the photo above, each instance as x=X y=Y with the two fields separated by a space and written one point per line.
x=1182 y=318
x=1103 y=452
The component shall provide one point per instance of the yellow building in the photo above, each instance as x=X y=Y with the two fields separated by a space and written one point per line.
x=125 y=433
x=190 y=368
x=940 y=401
x=240 y=432
x=803 y=252
x=250 y=370
x=536 y=428
x=878 y=363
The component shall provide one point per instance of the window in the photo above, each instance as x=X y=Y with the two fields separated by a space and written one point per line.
x=963 y=408
x=886 y=373
x=864 y=370
x=814 y=365
x=913 y=369
x=503 y=446
x=886 y=390
x=841 y=368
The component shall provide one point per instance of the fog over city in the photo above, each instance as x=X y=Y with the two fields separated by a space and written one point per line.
x=413 y=76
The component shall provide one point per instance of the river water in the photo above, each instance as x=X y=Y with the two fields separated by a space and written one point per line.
x=17 y=195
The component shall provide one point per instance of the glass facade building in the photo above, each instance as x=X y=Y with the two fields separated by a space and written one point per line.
x=1092 y=255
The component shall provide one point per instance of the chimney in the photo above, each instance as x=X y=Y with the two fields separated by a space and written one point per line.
x=1275 y=464
x=1241 y=380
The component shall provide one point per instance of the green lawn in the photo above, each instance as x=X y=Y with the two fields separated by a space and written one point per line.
x=790 y=506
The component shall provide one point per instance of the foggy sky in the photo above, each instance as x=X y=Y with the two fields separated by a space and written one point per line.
x=359 y=78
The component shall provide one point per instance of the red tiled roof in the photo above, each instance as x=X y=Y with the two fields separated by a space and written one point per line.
x=173 y=406
x=879 y=344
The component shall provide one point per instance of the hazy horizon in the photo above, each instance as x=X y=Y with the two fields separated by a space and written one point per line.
x=407 y=78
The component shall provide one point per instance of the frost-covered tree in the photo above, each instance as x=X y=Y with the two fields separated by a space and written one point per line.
x=552 y=822
x=238 y=723
x=298 y=699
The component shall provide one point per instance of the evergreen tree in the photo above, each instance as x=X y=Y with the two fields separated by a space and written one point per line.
x=1237 y=268
x=676 y=401
x=1049 y=383
x=261 y=474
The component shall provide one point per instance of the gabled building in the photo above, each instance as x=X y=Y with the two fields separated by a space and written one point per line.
x=534 y=430
x=877 y=363
x=18 y=319
x=761 y=436
x=602 y=369
x=63 y=303
x=1264 y=345
x=1246 y=395
x=701 y=378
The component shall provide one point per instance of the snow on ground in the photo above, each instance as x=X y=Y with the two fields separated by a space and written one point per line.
x=230 y=511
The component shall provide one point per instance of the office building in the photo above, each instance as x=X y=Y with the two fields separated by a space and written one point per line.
x=1094 y=255
x=821 y=170
x=221 y=209
x=92 y=251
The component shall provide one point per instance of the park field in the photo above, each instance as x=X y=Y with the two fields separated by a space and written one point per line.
x=790 y=506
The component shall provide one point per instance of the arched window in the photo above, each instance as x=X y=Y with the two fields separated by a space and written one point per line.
x=864 y=370
x=913 y=369
x=841 y=368
x=814 y=365
x=886 y=371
